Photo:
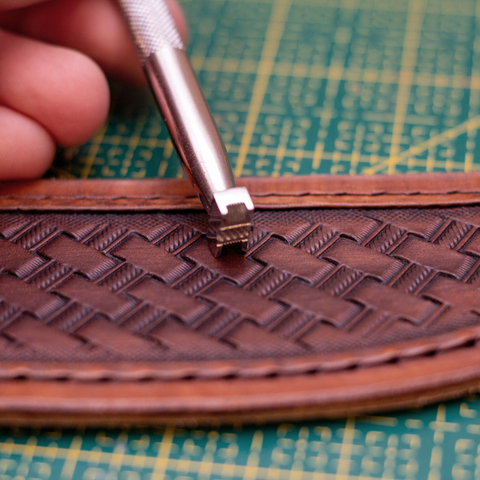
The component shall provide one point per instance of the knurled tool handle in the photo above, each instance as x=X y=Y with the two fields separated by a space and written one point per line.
x=152 y=26
x=178 y=94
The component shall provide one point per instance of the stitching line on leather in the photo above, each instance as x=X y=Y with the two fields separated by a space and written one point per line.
x=307 y=194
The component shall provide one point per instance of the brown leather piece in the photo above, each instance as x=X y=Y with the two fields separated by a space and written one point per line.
x=283 y=192
x=112 y=314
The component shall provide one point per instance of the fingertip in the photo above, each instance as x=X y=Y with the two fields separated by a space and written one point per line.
x=26 y=148
x=83 y=104
x=95 y=27
x=61 y=89
x=179 y=17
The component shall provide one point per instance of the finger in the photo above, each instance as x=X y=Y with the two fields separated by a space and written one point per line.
x=61 y=89
x=95 y=27
x=26 y=148
x=179 y=17
x=8 y=4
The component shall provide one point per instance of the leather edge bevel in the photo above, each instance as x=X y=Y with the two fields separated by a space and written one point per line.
x=267 y=193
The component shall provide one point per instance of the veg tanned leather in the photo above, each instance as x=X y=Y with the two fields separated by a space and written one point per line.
x=356 y=295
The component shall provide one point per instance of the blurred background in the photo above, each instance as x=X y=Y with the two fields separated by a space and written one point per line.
x=297 y=87
x=313 y=86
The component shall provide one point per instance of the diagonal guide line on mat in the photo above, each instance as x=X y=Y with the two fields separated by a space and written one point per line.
x=409 y=60
x=71 y=460
x=472 y=123
x=93 y=151
x=164 y=450
x=265 y=68
x=343 y=468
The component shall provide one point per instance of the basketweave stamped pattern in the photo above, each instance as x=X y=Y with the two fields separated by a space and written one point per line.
x=316 y=286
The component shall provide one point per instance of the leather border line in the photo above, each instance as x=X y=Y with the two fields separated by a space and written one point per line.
x=267 y=193
x=411 y=383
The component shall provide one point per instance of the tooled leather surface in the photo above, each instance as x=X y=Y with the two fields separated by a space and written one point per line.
x=317 y=289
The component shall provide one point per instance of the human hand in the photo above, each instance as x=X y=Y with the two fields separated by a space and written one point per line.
x=53 y=90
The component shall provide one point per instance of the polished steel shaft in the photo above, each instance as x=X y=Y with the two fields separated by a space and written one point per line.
x=189 y=121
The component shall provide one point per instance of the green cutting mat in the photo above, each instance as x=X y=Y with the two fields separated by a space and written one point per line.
x=297 y=87
x=439 y=442
x=314 y=86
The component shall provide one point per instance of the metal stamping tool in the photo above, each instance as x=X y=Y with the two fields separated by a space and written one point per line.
x=190 y=123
